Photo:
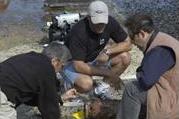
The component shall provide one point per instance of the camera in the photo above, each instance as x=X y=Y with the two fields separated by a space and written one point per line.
x=61 y=26
x=70 y=19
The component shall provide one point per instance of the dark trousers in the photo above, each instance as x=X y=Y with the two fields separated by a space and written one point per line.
x=133 y=99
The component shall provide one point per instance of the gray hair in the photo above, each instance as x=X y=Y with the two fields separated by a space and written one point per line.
x=55 y=49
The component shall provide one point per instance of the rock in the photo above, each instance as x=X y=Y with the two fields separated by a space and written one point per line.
x=164 y=12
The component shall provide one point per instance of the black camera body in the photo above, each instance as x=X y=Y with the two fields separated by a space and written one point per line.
x=61 y=26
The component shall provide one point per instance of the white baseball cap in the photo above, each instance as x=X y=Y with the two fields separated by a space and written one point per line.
x=98 y=11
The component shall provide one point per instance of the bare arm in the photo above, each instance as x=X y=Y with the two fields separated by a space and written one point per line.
x=88 y=69
x=120 y=47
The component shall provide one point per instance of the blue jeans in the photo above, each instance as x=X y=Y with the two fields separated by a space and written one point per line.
x=134 y=97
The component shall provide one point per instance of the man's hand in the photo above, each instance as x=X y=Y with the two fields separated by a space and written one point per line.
x=116 y=48
x=94 y=108
x=69 y=94
x=103 y=57
x=115 y=81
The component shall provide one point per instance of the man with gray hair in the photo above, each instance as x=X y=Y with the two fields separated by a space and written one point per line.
x=30 y=79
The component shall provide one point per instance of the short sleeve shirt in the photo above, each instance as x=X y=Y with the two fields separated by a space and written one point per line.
x=85 y=45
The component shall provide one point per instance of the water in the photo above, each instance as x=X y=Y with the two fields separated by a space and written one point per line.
x=22 y=12
x=25 y=19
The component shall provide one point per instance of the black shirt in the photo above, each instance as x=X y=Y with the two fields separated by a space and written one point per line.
x=85 y=45
x=31 y=79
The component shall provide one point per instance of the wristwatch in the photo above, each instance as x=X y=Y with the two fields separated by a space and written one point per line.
x=105 y=52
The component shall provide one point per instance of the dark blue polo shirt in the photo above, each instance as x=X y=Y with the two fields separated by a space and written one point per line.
x=154 y=64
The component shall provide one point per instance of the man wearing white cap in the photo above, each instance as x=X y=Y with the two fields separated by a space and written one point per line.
x=90 y=54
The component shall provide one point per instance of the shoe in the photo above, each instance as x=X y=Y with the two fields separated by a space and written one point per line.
x=102 y=90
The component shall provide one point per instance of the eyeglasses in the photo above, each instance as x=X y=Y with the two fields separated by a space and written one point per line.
x=132 y=34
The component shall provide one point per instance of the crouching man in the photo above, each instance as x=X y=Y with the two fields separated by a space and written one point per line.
x=91 y=54
x=30 y=79
x=157 y=85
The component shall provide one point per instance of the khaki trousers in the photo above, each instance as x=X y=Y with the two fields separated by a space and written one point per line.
x=6 y=108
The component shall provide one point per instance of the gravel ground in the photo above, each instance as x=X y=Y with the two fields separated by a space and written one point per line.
x=164 y=12
x=21 y=32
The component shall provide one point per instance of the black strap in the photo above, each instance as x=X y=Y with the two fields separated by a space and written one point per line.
x=154 y=34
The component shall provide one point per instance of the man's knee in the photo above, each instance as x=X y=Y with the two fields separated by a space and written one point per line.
x=6 y=108
x=136 y=93
x=126 y=58
x=122 y=59
x=83 y=83
x=129 y=87
x=133 y=89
